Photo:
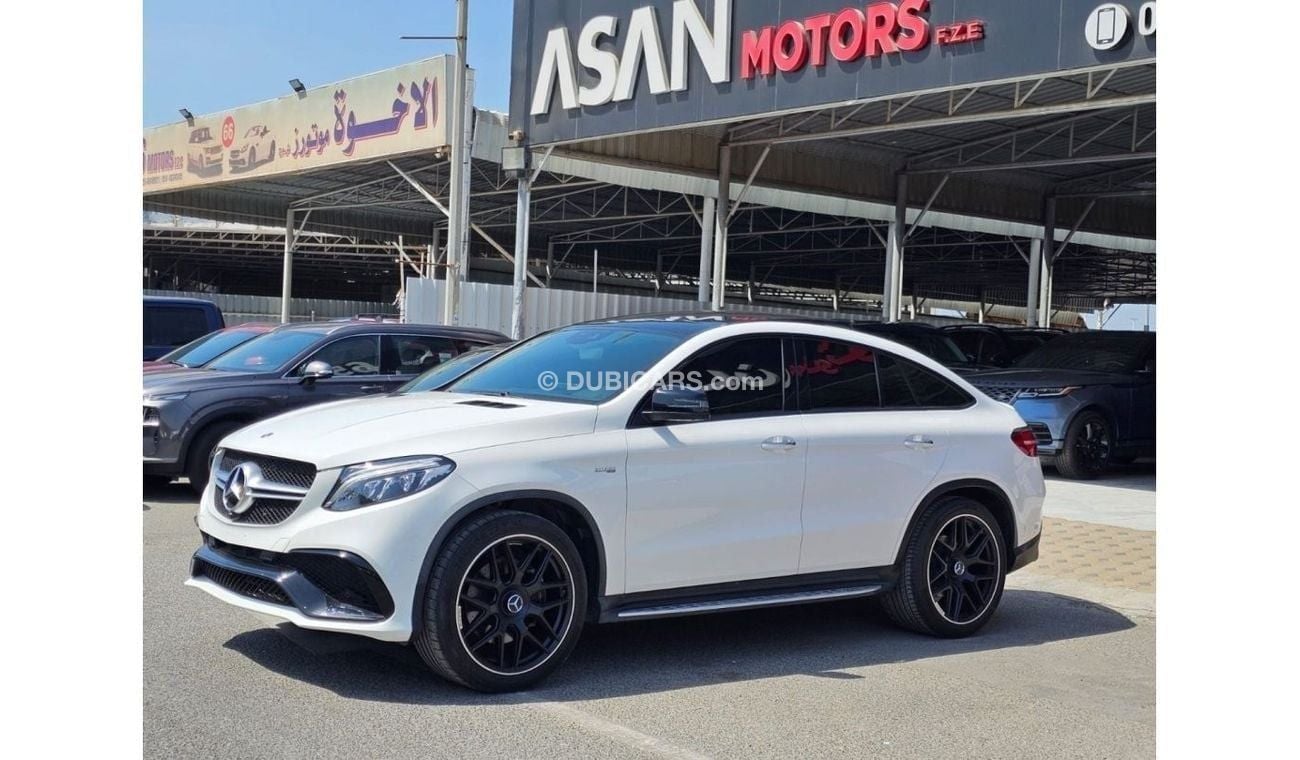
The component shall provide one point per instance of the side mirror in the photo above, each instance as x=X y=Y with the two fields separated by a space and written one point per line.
x=316 y=370
x=669 y=405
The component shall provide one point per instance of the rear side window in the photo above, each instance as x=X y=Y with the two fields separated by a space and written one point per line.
x=835 y=377
x=413 y=354
x=174 y=325
x=357 y=355
x=741 y=377
x=904 y=384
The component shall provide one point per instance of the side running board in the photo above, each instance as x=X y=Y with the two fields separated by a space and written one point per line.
x=746 y=602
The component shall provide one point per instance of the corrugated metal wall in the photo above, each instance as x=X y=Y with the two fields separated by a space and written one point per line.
x=489 y=305
x=240 y=308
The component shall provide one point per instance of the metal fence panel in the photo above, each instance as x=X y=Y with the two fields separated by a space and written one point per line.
x=243 y=308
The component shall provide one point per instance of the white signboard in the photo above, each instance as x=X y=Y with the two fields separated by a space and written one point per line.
x=390 y=113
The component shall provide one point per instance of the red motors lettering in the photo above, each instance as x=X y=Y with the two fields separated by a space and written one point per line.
x=846 y=36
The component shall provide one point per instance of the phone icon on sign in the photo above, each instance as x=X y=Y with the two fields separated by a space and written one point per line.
x=1106 y=26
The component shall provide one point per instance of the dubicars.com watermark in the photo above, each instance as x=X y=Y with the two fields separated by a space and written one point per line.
x=612 y=380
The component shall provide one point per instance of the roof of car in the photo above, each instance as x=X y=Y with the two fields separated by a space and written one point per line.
x=177 y=300
x=345 y=327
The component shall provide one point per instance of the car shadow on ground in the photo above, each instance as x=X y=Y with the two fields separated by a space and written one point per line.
x=176 y=492
x=820 y=640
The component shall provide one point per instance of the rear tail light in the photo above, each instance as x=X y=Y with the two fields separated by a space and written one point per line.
x=1024 y=440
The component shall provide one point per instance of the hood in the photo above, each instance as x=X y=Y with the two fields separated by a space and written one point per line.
x=152 y=367
x=188 y=380
x=380 y=427
x=1033 y=378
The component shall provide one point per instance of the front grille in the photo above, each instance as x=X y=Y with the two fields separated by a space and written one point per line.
x=243 y=584
x=286 y=471
x=1041 y=433
x=263 y=511
x=1003 y=393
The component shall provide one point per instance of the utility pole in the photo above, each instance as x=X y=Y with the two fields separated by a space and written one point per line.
x=456 y=253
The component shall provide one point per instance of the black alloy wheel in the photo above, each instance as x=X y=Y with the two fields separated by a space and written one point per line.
x=504 y=602
x=951 y=570
x=964 y=569
x=515 y=604
x=1089 y=447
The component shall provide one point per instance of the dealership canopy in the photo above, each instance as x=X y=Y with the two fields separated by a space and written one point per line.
x=998 y=125
x=948 y=111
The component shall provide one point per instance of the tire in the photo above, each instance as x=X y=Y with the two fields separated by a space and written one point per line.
x=200 y=457
x=489 y=644
x=1089 y=444
x=157 y=481
x=921 y=600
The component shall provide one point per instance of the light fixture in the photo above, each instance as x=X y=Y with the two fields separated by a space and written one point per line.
x=297 y=86
x=187 y=116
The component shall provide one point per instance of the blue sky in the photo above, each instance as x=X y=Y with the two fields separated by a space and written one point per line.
x=211 y=56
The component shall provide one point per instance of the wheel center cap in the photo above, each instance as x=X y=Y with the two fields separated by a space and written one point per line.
x=958 y=568
x=514 y=603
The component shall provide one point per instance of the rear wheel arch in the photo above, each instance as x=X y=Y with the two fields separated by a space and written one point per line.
x=559 y=508
x=986 y=493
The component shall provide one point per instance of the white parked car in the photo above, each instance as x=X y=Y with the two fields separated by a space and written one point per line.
x=622 y=470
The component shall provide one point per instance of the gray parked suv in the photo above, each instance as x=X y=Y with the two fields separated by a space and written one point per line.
x=187 y=412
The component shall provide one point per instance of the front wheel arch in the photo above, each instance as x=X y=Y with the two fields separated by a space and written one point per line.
x=565 y=511
x=985 y=492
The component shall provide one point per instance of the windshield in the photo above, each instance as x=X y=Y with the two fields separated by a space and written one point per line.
x=1098 y=352
x=451 y=369
x=203 y=350
x=268 y=352
x=587 y=364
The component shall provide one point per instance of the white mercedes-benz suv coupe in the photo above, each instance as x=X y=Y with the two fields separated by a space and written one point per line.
x=620 y=470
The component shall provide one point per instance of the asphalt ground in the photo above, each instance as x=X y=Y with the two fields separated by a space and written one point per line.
x=1065 y=669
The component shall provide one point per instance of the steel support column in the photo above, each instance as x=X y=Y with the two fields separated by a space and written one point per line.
x=521 y=255
x=720 y=233
x=893 y=286
x=707 y=222
x=1035 y=282
x=1049 y=263
x=286 y=283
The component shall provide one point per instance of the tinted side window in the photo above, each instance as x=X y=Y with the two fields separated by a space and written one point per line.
x=741 y=377
x=358 y=355
x=413 y=354
x=835 y=376
x=173 y=325
x=904 y=384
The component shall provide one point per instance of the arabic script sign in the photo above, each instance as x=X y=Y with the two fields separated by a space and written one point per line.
x=390 y=113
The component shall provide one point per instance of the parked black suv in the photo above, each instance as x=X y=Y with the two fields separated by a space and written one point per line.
x=927 y=339
x=186 y=413
x=992 y=346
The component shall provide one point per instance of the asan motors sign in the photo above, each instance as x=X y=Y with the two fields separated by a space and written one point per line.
x=390 y=113
x=607 y=67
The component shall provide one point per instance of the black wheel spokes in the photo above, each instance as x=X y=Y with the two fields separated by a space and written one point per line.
x=1094 y=444
x=963 y=569
x=514 y=604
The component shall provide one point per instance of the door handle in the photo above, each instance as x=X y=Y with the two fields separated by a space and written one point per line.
x=371 y=388
x=778 y=443
x=918 y=442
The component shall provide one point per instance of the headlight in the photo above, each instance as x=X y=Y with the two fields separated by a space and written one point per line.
x=373 y=482
x=1047 y=392
x=167 y=397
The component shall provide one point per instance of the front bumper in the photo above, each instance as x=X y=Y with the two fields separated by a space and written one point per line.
x=331 y=585
x=389 y=540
